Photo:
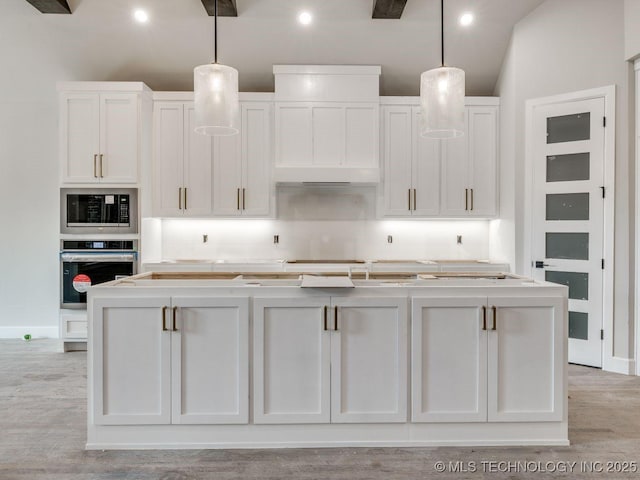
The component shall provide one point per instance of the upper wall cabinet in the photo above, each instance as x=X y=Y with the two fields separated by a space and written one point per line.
x=242 y=165
x=101 y=131
x=470 y=167
x=411 y=165
x=326 y=124
x=182 y=162
x=201 y=176
x=439 y=178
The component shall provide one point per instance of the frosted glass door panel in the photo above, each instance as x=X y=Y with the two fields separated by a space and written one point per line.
x=578 y=283
x=567 y=245
x=568 y=168
x=579 y=325
x=568 y=206
x=569 y=128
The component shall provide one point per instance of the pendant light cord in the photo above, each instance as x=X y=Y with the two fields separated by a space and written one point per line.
x=215 y=31
x=441 y=32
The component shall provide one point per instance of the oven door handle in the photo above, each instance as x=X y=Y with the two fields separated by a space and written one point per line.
x=105 y=257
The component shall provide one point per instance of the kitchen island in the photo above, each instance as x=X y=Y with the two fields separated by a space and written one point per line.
x=253 y=360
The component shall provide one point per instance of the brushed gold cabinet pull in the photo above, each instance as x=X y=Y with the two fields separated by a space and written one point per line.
x=325 y=318
x=472 y=199
x=244 y=203
x=185 y=198
x=164 y=316
x=495 y=314
x=101 y=175
x=335 y=318
x=95 y=166
x=466 y=199
x=484 y=317
x=238 y=198
x=409 y=198
x=180 y=198
x=414 y=200
x=173 y=319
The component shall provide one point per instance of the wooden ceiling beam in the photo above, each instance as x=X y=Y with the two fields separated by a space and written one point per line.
x=226 y=8
x=390 y=9
x=51 y=6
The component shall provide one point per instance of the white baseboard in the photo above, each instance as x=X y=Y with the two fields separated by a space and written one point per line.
x=626 y=366
x=35 y=332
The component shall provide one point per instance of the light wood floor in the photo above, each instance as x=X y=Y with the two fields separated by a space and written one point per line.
x=43 y=420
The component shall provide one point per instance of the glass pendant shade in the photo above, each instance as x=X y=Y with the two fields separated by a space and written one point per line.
x=217 y=106
x=442 y=103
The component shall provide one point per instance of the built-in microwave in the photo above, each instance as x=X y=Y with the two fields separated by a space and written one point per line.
x=98 y=210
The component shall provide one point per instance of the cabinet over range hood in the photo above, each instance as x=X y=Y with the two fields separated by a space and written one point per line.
x=327 y=124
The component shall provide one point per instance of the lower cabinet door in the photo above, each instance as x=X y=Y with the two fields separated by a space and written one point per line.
x=210 y=360
x=290 y=360
x=526 y=359
x=449 y=359
x=131 y=368
x=369 y=360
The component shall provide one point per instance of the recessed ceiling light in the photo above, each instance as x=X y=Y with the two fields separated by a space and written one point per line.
x=305 y=18
x=466 y=19
x=141 y=16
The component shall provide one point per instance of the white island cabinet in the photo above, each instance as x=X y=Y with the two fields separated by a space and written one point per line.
x=330 y=360
x=215 y=360
x=170 y=360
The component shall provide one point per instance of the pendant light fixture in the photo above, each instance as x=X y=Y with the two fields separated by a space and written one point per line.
x=442 y=97
x=216 y=94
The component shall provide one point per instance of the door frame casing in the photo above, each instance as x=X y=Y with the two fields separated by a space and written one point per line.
x=608 y=93
x=636 y=302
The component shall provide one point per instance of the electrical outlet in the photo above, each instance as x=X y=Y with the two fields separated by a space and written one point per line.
x=459 y=240
x=205 y=238
x=276 y=239
x=389 y=239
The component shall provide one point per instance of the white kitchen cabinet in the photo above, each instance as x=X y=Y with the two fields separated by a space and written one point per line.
x=411 y=165
x=326 y=141
x=150 y=370
x=503 y=355
x=330 y=359
x=449 y=358
x=526 y=360
x=182 y=162
x=242 y=165
x=469 y=166
x=100 y=136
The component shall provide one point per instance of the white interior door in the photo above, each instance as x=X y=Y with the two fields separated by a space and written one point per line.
x=568 y=215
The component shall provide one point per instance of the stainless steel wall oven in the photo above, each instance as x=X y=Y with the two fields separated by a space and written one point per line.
x=88 y=262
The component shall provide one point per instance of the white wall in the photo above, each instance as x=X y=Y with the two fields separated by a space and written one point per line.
x=632 y=29
x=565 y=46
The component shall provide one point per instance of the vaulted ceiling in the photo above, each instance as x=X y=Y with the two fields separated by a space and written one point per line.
x=103 y=42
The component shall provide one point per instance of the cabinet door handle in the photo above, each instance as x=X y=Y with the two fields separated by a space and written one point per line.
x=484 y=317
x=335 y=318
x=244 y=203
x=414 y=199
x=238 y=198
x=95 y=166
x=325 y=318
x=466 y=199
x=164 y=316
x=180 y=198
x=185 y=198
x=101 y=175
x=173 y=319
x=495 y=314
x=409 y=198
x=472 y=199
